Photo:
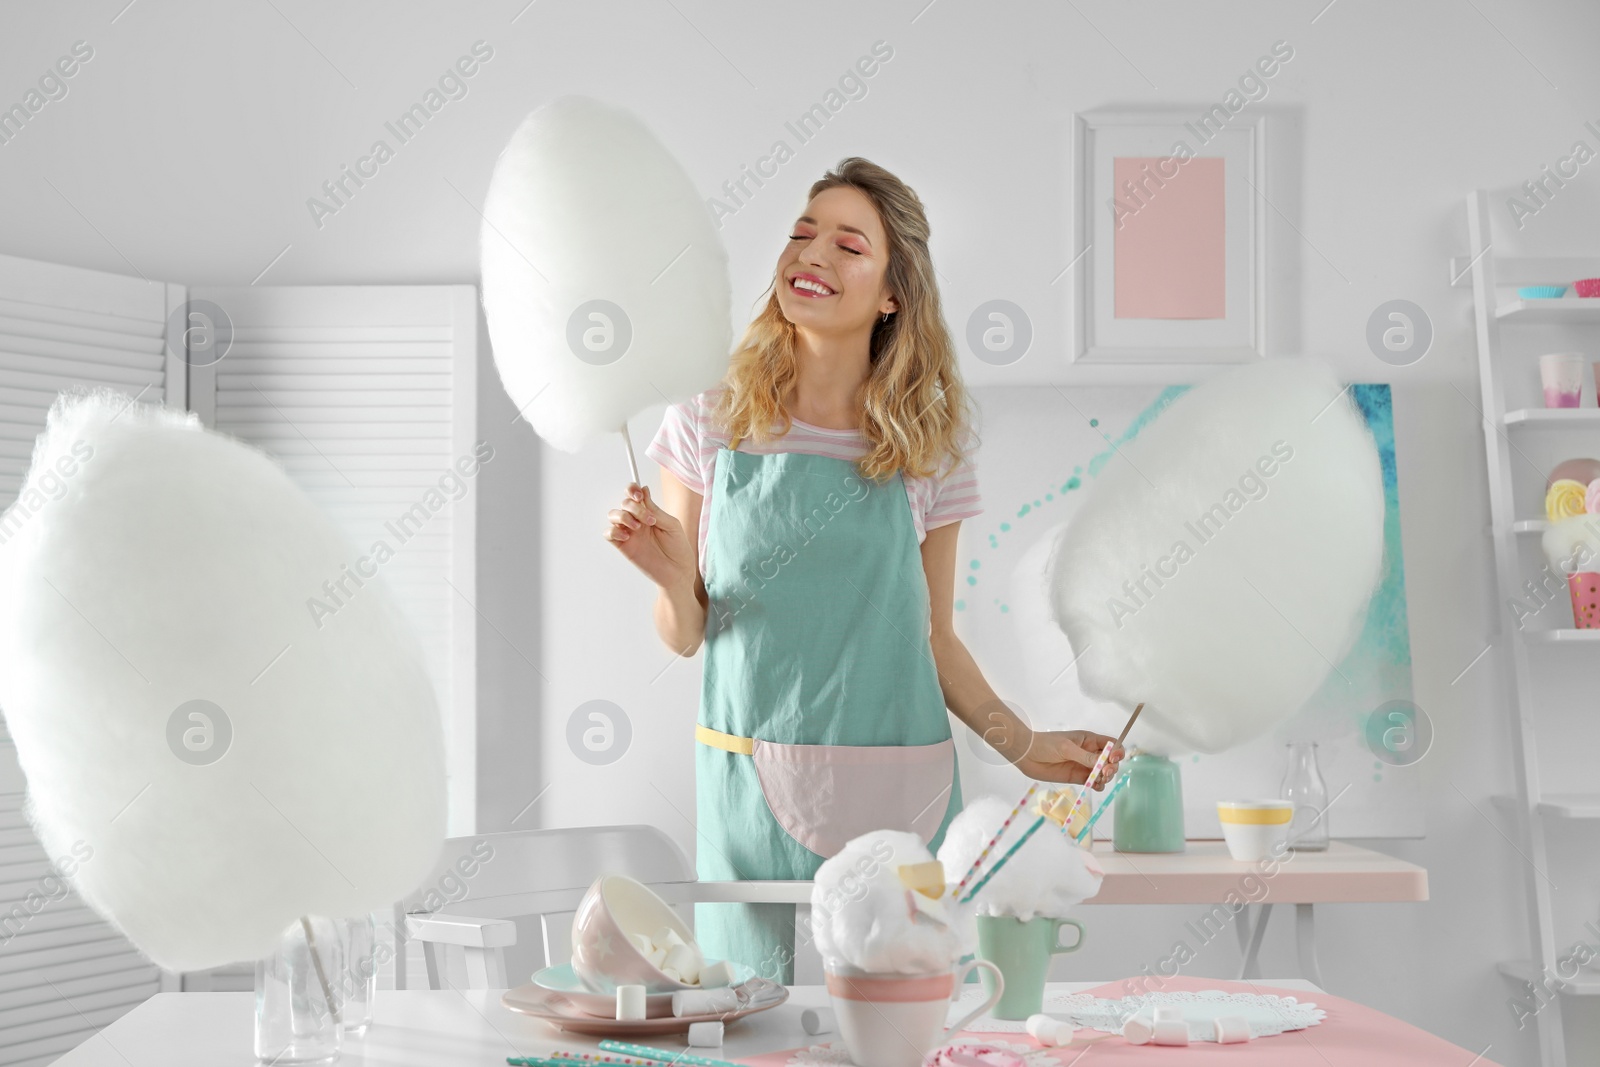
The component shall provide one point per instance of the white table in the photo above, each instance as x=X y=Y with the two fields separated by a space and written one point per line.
x=418 y=1028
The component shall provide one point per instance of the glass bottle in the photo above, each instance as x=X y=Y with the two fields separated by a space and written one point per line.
x=297 y=1006
x=1303 y=784
x=360 y=937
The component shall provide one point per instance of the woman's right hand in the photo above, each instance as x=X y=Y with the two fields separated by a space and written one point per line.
x=652 y=539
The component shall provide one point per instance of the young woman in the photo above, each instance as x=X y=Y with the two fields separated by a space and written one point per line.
x=807 y=537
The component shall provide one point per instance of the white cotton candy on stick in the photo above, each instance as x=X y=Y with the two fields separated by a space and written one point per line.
x=1221 y=564
x=175 y=565
x=605 y=284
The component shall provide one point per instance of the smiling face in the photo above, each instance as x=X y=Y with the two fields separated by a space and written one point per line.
x=838 y=254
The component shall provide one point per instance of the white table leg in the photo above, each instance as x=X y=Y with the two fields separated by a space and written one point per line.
x=1306 y=939
x=1253 y=933
x=1241 y=926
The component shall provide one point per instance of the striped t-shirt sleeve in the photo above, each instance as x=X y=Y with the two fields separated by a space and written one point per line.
x=956 y=497
x=676 y=446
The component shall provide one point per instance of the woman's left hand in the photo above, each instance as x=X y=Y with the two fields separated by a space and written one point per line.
x=1069 y=756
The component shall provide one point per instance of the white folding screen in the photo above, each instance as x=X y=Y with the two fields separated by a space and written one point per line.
x=368 y=397
x=63 y=972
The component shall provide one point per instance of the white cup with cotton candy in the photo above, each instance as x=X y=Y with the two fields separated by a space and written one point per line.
x=217 y=759
x=1223 y=563
x=605 y=283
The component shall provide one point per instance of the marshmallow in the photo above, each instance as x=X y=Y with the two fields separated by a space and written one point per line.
x=706 y=1034
x=656 y=956
x=630 y=1002
x=1232 y=1029
x=666 y=937
x=704 y=1001
x=716 y=974
x=684 y=960
x=1170 y=1032
x=1167 y=1013
x=1138 y=1030
x=671 y=972
x=1048 y=1030
x=817 y=1020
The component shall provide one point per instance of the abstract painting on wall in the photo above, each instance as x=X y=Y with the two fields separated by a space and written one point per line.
x=1042 y=450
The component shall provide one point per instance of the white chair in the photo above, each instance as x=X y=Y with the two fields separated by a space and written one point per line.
x=462 y=914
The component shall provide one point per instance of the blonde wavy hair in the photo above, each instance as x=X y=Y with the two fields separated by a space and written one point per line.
x=915 y=410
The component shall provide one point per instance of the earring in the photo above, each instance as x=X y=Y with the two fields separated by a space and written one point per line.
x=885 y=316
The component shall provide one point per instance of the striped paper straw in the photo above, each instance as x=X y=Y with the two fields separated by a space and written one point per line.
x=1078 y=802
x=661 y=1055
x=1001 y=862
x=585 y=1057
x=990 y=846
x=1105 y=802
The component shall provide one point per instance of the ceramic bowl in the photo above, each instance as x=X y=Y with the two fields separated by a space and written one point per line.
x=602 y=955
x=1255 y=829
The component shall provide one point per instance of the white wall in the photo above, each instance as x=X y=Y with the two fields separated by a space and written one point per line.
x=188 y=145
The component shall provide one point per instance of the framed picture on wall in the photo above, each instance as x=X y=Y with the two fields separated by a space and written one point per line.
x=1171 y=234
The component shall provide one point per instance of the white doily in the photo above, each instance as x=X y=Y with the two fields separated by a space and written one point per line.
x=1266 y=1013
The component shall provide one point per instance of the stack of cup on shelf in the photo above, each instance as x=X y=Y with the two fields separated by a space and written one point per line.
x=1561 y=375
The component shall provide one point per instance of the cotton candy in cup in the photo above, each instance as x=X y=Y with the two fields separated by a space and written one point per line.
x=1049 y=875
x=1225 y=558
x=1572 y=545
x=219 y=758
x=860 y=917
x=605 y=284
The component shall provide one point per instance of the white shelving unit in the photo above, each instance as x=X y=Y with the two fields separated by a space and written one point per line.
x=1510 y=386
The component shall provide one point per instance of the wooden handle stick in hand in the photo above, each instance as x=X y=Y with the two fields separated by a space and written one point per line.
x=1099 y=766
x=633 y=464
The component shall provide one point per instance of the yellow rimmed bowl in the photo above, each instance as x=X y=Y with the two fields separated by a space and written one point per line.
x=1255 y=829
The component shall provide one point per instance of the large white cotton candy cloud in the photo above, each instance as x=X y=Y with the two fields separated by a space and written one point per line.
x=605 y=285
x=150 y=564
x=1221 y=567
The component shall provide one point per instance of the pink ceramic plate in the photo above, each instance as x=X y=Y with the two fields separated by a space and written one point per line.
x=758 y=994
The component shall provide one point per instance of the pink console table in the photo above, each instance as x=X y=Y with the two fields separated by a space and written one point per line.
x=1204 y=873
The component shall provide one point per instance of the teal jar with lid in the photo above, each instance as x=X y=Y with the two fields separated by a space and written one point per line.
x=1149 y=809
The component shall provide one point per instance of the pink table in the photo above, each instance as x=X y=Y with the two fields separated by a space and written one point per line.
x=1204 y=873
x=1352 y=1035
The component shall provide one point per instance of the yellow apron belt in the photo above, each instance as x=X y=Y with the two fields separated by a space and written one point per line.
x=717 y=739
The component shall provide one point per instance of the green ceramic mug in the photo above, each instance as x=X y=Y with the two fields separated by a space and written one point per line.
x=1022 y=951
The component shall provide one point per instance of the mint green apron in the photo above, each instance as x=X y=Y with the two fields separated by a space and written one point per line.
x=821 y=716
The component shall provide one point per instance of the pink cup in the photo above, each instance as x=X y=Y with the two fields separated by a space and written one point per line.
x=1585 y=589
x=894 y=1020
x=1561 y=374
x=602 y=956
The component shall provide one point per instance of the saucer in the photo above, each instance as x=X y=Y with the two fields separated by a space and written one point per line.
x=561 y=1011
x=564 y=980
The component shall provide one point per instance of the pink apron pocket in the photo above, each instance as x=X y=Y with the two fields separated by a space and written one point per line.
x=824 y=795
